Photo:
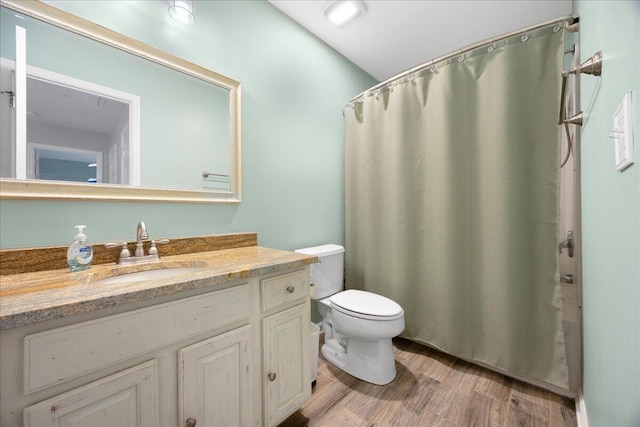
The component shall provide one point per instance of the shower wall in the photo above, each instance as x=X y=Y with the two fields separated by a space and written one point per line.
x=610 y=217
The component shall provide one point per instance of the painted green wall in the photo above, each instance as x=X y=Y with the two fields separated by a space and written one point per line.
x=610 y=218
x=293 y=89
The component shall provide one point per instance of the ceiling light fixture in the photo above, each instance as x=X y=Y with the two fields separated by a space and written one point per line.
x=182 y=11
x=344 y=12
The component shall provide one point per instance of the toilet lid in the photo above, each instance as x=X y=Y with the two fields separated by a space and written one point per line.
x=366 y=303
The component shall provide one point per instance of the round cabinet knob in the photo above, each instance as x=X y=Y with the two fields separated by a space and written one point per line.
x=290 y=289
x=272 y=376
x=191 y=422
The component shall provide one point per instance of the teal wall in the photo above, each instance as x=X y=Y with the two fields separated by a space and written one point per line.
x=293 y=89
x=610 y=218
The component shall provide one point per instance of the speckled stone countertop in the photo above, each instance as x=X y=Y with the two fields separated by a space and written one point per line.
x=46 y=295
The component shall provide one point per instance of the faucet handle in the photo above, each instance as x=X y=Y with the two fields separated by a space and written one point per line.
x=153 y=250
x=567 y=244
x=124 y=253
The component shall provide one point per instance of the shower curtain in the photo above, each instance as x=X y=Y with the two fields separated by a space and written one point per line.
x=451 y=198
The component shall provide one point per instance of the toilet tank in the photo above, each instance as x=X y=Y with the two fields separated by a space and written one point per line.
x=327 y=275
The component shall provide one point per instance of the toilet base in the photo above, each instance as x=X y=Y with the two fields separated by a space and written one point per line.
x=370 y=361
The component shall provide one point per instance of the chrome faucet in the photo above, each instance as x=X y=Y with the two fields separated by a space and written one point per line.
x=141 y=234
x=139 y=255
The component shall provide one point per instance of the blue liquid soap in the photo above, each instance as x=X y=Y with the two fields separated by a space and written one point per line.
x=80 y=253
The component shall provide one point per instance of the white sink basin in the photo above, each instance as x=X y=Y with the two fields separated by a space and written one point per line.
x=139 y=276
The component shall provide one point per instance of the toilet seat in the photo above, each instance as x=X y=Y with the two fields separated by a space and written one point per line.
x=366 y=305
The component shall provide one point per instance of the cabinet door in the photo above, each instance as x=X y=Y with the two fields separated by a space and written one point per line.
x=286 y=372
x=214 y=380
x=128 y=398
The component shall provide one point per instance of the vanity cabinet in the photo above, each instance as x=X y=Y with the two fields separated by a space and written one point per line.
x=128 y=399
x=285 y=364
x=235 y=354
x=214 y=380
x=202 y=343
x=286 y=370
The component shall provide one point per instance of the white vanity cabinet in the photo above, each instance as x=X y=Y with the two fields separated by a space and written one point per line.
x=192 y=349
x=128 y=399
x=203 y=357
x=285 y=365
x=214 y=380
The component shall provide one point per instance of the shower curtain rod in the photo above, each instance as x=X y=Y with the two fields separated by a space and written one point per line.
x=570 y=21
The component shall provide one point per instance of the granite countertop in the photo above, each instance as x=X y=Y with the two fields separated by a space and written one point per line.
x=51 y=294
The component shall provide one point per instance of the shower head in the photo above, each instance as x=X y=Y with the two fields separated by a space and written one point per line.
x=591 y=66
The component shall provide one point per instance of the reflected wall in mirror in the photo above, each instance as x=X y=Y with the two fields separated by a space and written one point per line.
x=108 y=117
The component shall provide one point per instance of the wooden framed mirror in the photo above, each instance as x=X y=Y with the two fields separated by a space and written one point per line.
x=182 y=139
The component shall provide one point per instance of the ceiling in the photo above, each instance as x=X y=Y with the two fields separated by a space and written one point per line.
x=56 y=104
x=395 y=35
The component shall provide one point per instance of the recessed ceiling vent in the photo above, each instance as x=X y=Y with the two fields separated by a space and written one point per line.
x=342 y=13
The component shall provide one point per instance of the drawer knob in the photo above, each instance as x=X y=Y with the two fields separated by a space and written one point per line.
x=290 y=289
x=191 y=422
x=272 y=376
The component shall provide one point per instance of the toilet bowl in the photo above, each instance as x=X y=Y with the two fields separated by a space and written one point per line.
x=360 y=343
x=358 y=325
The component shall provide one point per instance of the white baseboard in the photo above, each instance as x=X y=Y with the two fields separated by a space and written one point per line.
x=581 y=410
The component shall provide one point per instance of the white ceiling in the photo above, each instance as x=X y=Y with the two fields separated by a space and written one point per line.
x=395 y=35
x=53 y=104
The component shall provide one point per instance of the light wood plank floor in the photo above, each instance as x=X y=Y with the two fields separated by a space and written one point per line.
x=431 y=389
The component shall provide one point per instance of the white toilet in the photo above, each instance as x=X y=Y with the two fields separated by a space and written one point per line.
x=357 y=325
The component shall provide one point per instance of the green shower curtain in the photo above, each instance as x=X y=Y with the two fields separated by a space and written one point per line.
x=452 y=185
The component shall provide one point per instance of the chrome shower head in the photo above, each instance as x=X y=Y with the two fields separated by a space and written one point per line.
x=591 y=66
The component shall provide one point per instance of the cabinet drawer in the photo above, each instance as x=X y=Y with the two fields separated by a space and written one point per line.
x=280 y=290
x=58 y=355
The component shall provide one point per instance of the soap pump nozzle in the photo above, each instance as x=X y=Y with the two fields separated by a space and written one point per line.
x=81 y=235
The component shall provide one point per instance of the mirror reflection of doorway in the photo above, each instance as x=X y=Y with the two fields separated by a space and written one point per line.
x=67 y=113
x=63 y=164
x=66 y=118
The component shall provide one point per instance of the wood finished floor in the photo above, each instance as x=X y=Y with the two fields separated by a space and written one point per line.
x=431 y=389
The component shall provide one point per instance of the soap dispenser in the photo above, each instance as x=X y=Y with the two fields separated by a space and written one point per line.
x=80 y=253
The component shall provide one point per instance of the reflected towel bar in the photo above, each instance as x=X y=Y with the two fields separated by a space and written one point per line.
x=206 y=174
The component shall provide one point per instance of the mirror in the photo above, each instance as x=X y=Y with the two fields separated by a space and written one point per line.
x=108 y=117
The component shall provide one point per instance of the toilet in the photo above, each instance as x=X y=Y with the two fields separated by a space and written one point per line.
x=358 y=326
